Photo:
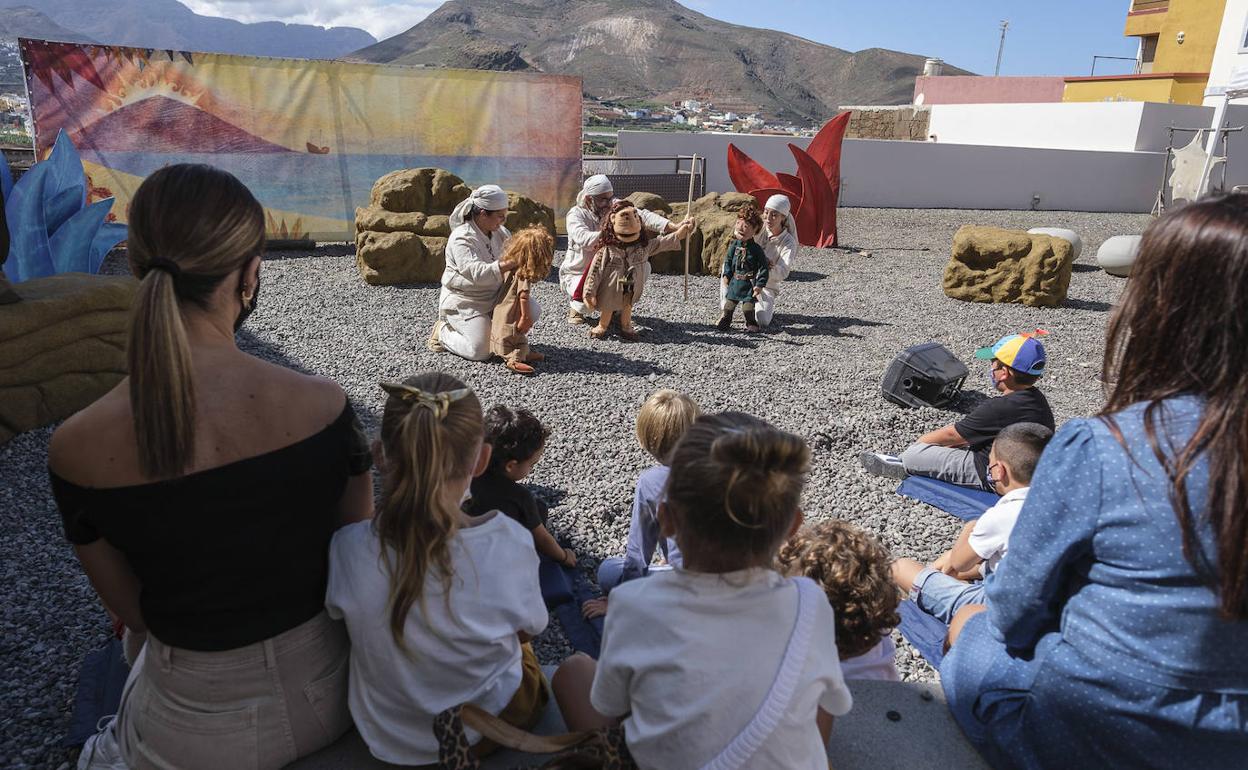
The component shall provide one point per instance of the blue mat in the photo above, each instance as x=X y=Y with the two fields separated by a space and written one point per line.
x=964 y=502
x=565 y=589
x=100 y=682
x=925 y=632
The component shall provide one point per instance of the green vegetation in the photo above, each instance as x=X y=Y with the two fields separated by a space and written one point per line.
x=16 y=139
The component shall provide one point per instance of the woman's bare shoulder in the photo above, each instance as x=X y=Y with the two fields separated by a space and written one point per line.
x=99 y=429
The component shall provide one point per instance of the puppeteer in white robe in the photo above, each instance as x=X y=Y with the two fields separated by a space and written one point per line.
x=471 y=286
x=584 y=227
x=781 y=251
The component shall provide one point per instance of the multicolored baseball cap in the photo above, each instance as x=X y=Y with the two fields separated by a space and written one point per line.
x=1021 y=352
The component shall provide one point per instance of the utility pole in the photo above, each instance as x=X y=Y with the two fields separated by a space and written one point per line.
x=1001 y=49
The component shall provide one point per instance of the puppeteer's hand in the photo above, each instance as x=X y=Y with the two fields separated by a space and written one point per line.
x=685 y=228
x=594 y=608
x=506 y=265
x=758 y=290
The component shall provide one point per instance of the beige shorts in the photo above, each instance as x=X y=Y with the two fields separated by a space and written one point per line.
x=257 y=707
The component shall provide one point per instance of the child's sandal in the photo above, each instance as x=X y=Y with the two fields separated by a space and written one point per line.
x=519 y=367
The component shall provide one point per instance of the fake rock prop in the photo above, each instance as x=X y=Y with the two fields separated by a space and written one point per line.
x=401 y=235
x=61 y=347
x=990 y=264
x=1117 y=254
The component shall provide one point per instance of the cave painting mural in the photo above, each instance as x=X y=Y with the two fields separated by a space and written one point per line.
x=309 y=138
x=814 y=191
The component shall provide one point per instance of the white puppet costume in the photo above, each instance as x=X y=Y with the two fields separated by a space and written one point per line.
x=781 y=251
x=472 y=281
x=584 y=225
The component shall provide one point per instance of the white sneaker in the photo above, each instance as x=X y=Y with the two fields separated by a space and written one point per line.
x=888 y=466
x=101 y=752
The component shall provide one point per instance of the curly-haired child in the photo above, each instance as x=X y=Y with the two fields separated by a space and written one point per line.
x=855 y=572
x=532 y=250
x=719 y=663
x=745 y=270
x=614 y=279
x=518 y=439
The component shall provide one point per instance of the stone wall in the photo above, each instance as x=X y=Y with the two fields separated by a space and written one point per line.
x=906 y=123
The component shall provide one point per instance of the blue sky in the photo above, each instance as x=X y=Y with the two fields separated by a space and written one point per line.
x=1046 y=37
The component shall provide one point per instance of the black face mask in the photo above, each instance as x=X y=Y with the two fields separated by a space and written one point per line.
x=248 y=309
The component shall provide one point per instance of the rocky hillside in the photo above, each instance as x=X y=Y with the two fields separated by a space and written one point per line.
x=170 y=24
x=655 y=50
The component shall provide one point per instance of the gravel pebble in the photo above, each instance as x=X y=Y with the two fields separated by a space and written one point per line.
x=843 y=316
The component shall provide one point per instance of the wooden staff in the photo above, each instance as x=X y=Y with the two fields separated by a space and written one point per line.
x=693 y=165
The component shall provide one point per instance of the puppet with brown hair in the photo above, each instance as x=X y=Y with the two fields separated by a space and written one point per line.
x=746 y=270
x=615 y=277
x=532 y=250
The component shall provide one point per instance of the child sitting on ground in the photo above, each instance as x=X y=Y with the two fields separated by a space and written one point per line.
x=532 y=250
x=518 y=439
x=722 y=658
x=745 y=270
x=958 y=578
x=662 y=420
x=439 y=605
x=853 y=569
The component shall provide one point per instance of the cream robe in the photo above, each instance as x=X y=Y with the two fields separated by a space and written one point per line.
x=471 y=285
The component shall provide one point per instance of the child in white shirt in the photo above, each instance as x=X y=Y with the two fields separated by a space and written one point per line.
x=853 y=569
x=958 y=578
x=439 y=605
x=723 y=657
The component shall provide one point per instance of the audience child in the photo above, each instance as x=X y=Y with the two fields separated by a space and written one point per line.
x=722 y=657
x=662 y=420
x=616 y=276
x=958 y=453
x=517 y=439
x=745 y=270
x=439 y=605
x=853 y=569
x=958 y=578
x=531 y=250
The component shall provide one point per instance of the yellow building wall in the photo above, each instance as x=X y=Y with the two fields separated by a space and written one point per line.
x=1199 y=21
x=1121 y=90
x=1144 y=24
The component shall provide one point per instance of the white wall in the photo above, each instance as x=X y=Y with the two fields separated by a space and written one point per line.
x=1112 y=126
x=1227 y=56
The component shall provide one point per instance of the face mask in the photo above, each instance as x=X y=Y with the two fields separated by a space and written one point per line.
x=248 y=309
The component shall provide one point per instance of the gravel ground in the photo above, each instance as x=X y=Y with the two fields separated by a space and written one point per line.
x=844 y=315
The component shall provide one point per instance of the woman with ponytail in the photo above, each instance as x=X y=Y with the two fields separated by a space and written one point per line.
x=721 y=662
x=440 y=606
x=1116 y=633
x=201 y=494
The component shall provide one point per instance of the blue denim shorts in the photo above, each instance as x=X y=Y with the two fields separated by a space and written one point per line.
x=942 y=596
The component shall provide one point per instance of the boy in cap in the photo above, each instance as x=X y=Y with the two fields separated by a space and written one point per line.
x=958 y=452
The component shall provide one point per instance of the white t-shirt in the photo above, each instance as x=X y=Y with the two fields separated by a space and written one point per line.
x=690 y=657
x=990 y=537
x=879 y=662
x=469 y=653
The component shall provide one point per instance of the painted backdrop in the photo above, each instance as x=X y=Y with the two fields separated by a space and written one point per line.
x=308 y=137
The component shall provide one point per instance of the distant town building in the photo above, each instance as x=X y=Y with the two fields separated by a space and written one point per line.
x=692 y=104
x=639 y=114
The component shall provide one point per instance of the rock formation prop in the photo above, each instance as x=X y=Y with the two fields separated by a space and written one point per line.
x=401 y=235
x=989 y=264
x=1116 y=255
x=52 y=229
x=716 y=213
x=813 y=193
x=62 y=347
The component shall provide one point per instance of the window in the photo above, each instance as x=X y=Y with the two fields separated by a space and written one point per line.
x=1243 y=37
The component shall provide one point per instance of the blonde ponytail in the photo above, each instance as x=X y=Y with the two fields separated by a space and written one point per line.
x=191 y=227
x=162 y=394
x=431 y=431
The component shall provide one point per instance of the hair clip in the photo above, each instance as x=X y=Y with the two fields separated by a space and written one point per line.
x=438 y=403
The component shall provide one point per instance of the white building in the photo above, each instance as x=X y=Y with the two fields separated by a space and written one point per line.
x=1231 y=54
x=692 y=104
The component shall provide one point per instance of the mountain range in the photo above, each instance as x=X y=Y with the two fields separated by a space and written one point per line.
x=655 y=50
x=170 y=24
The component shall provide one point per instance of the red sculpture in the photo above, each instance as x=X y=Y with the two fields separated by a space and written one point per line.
x=815 y=190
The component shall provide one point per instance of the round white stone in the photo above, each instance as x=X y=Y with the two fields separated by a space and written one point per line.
x=1117 y=254
x=1076 y=243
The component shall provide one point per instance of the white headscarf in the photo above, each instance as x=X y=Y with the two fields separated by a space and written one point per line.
x=780 y=204
x=489 y=197
x=595 y=185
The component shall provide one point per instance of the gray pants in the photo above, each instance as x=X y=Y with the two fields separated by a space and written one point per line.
x=953 y=464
